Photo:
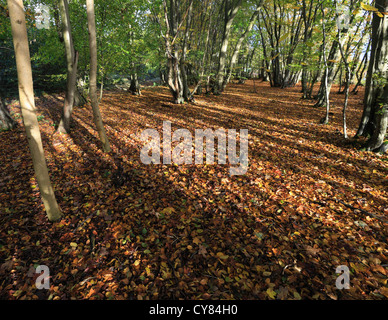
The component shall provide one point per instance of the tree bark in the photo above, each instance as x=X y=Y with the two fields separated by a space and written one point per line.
x=27 y=103
x=328 y=75
x=231 y=10
x=326 y=88
x=72 y=63
x=240 y=41
x=173 y=23
x=374 y=120
x=186 y=90
x=93 y=76
x=134 y=88
x=6 y=121
x=346 y=90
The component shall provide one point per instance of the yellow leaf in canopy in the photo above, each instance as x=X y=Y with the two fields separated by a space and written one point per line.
x=367 y=7
x=283 y=37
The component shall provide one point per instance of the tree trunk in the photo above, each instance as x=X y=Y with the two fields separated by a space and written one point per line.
x=230 y=13
x=72 y=63
x=374 y=120
x=27 y=103
x=361 y=69
x=326 y=89
x=135 y=86
x=173 y=76
x=328 y=75
x=346 y=89
x=93 y=76
x=183 y=67
x=240 y=41
x=6 y=121
x=79 y=99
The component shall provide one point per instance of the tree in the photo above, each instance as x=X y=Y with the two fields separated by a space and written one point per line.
x=309 y=16
x=174 y=16
x=6 y=121
x=240 y=41
x=93 y=76
x=326 y=91
x=374 y=120
x=72 y=63
x=26 y=97
x=231 y=9
x=344 y=57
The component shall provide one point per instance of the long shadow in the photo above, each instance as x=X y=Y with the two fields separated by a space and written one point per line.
x=251 y=229
x=268 y=129
x=167 y=112
x=84 y=139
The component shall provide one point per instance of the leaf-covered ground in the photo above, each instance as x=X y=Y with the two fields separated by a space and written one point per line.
x=309 y=202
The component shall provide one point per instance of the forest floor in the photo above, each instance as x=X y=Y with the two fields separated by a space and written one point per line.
x=309 y=202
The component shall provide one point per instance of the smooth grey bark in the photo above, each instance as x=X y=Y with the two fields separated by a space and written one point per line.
x=72 y=63
x=231 y=9
x=79 y=99
x=329 y=73
x=346 y=90
x=28 y=110
x=239 y=43
x=374 y=120
x=93 y=76
x=325 y=120
x=308 y=19
x=173 y=23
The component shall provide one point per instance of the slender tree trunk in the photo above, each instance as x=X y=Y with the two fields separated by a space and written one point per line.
x=93 y=76
x=361 y=69
x=72 y=63
x=375 y=117
x=240 y=41
x=185 y=90
x=325 y=87
x=325 y=80
x=346 y=89
x=27 y=103
x=231 y=10
x=366 y=124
